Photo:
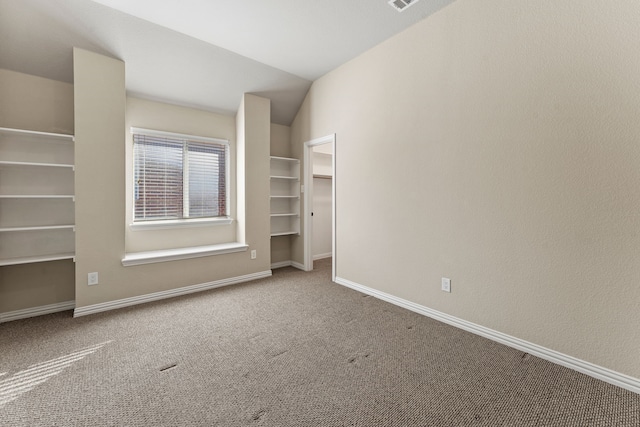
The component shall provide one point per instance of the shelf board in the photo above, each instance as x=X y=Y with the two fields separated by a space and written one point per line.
x=23 y=164
x=284 y=233
x=37 y=196
x=287 y=159
x=285 y=197
x=34 y=259
x=293 y=178
x=38 y=228
x=42 y=135
x=284 y=214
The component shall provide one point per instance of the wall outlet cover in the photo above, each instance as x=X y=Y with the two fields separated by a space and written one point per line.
x=92 y=279
x=446 y=284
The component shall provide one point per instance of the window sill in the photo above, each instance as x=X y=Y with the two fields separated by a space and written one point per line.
x=179 y=223
x=150 y=257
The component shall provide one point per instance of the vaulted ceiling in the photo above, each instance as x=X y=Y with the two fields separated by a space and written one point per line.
x=203 y=53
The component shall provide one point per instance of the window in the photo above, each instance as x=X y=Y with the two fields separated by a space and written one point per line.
x=179 y=177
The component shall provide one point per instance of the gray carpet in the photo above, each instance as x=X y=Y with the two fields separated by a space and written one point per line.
x=290 y=350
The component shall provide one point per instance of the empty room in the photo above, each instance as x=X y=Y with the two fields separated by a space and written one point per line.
x=319 y=213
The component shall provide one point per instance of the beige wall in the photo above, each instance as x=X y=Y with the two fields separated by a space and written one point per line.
x=100 y=104
x=253 y=123
x=322 y=214
x=170 y=118
x=34 y=103
x=280 y=140
x=496 y=143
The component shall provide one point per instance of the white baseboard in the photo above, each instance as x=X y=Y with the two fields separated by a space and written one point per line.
x=281 y=264
x=126 y=302
x=36 y=311
x=322 y=256
x=288 y=264
x=297 y=265
x=595 y=371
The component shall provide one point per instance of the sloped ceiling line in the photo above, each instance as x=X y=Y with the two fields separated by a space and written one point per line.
x=201 y=53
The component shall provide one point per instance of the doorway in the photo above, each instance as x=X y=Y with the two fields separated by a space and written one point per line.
x=324 y=151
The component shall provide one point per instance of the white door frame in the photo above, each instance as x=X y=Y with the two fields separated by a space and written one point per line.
x=308 y=200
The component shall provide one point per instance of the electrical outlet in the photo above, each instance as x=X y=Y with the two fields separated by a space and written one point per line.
x=254 y=254
x=92 y=279
x=446 y=284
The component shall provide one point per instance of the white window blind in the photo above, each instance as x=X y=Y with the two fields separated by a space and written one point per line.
x=178 y=178
x=206 y=167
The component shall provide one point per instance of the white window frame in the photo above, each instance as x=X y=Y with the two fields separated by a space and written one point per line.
x=186 y=222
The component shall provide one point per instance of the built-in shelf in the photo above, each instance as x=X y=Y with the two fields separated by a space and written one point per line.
x=5 y=164
x=294 y=178
x=44 y=136
x=33 y=167
x=284 y=233
x=285 y=196
x=37 y=196
x=37 y=228
x=33 y=259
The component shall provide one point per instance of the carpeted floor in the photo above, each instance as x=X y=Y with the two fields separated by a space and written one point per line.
x=290 y=350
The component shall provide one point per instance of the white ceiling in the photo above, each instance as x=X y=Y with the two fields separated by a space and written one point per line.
x=203 y=53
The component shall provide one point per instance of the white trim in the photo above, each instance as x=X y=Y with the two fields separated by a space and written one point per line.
x=595 y=371
x=280 y=264
x=179 y=223
x=150 y=257
x=298 y=265
x=36 y=311
x=127 y=302
x=322 y=256
x=288 y=264
x=184 y=136
x=308 y=197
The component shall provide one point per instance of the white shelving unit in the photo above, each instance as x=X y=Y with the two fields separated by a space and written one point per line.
x=285 y=196
x=36 y=196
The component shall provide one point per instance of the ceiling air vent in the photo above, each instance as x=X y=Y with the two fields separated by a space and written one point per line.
x=402 y=5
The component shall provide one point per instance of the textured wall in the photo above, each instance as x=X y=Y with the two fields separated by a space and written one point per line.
x=496 y=143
